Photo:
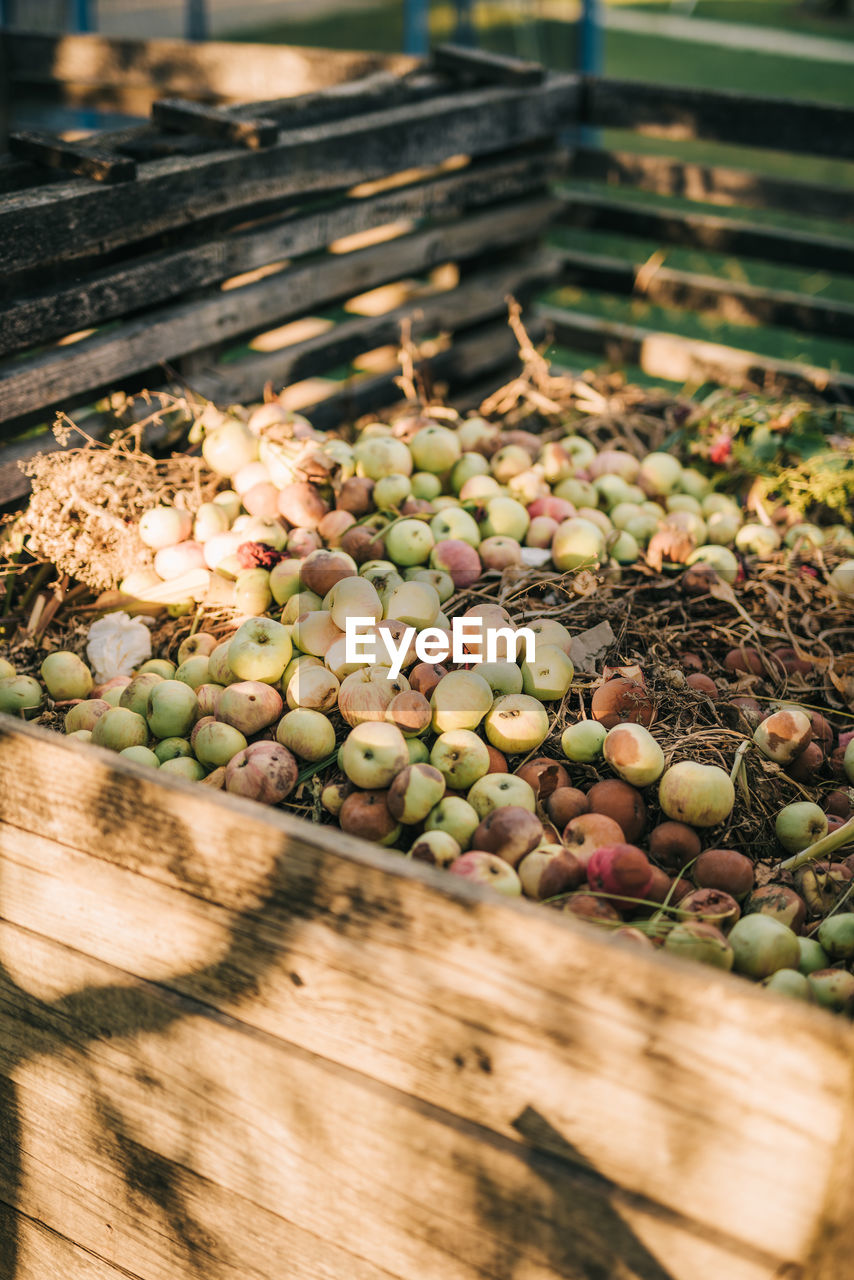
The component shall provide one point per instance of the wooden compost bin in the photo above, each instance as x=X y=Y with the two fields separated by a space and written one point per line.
x=240 y=1047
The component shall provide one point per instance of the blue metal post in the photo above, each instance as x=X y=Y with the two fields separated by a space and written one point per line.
x=465 y=26
x=590 y=46
x=416 y=27
x=82 y=15
x=196 y=20
x=590 y=56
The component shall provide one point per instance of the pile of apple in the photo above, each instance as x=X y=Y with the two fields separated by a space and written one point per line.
x=456 y=497
x=438 y=758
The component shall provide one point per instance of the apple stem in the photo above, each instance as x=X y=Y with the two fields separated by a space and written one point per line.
x=827 y=844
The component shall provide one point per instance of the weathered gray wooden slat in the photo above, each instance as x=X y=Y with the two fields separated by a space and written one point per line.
x=732 y=300
x=214 y=122
x=720 y=115
x=484 y=66
x=144 y=281
x=474 y=300
x=52 y=152
x=671 y=356
x=717 y=234
x=236 y=72
x=101 y=361
x=319 y=940
x=62 y=221
x=491 y=350
x=715 y=184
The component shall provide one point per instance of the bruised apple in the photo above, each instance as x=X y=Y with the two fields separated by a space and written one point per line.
x=264 y=771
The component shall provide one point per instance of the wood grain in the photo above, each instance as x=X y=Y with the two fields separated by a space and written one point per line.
x=144 y=280
x=63 y=221
x=497 y=1014
x=101 y=361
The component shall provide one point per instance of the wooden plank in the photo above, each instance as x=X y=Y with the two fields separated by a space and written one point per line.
x=478 y=298
x=715 y=184
x=31 y=1251
x=183 y=1142
x=235 y=72
x=719 y=115
x=711 y=1126
x=483 y=66
x=101 y=361
x=732 y=300
x=679 y=359
x=716 y=234
x=214 y=122
x=64 y=221
x=37 y=317
x=51 y=151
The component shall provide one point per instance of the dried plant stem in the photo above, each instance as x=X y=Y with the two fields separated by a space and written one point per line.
x=826 y=845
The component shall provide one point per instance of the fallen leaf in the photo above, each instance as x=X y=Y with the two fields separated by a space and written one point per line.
x=673 y=545
x=589 y=646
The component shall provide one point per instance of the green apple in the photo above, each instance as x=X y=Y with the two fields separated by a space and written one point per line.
x=550 y=674
x=455 y=523
x=582 y=742
x=200 y=643
x=66 y=676
x=172 y=749
x=390 y=491
x=373 y=754
x=460 y=700
x=378 y=456
x=456 y=818
x=461 y=757
x=307 y=733
x=636 y=757
x=502 y=677
x=20 y=696
x=142 y=755
x=577 y=544
x=516 y=723
x=160 y=667
x=435 y=449
x=173 y=709
x=409 y=542
x=259 y=650
x=505 y=517
x=414 y=792
x=194 y=671
x=136 y=696
x=183 y=767
x=416 y=604
x=799 y=825
x=216 y=743
x=494 y=790
x=469 y=466
x=119 y=728
x=426 y=486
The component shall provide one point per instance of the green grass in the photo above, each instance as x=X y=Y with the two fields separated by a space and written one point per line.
x=380 y=28
x=783 y=15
